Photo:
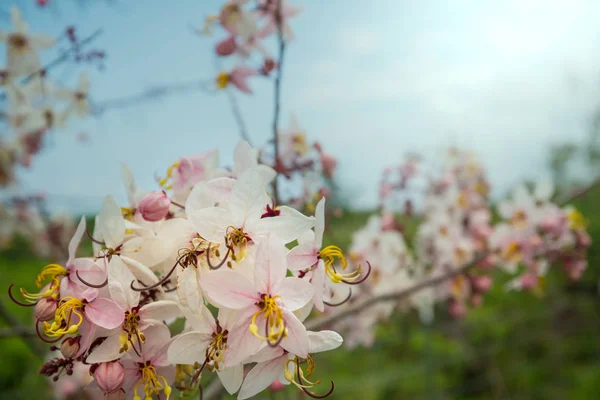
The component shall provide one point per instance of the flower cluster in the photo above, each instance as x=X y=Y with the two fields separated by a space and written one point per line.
x=456 y=245
x=219 y=253
x=247 y=25
x=34 y=105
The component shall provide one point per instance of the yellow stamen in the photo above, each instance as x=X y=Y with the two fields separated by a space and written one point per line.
x=131 y=332
x=52 y=271
x=512 y=252
x=576 y=220
x=328 y=255
x=127 y=213
x=290 y=375
x=519 y=218
x=274 y=316
x=164 y=182
x=153 y=384
x=63 y=318
x=216 y=350
x=222 y=80
x=237 y=241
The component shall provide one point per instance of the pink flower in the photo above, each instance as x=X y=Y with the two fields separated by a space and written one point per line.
x=482 y=283
x=110 y=376
x=268 y=302
x=276 y=386
x=154 y=206
x=328 y=162
x=238 y=78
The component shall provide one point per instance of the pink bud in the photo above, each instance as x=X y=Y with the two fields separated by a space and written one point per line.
x=226 y=47
x=528 y=281
x=70 y=347
x=456 y=309
x=482 y=283
x=45 y=309
x=276 y=386
x=154 y=206
x=110 y=376
x=583 y=239
x=476 y=300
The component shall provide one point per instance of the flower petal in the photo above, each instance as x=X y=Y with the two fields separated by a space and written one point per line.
x=288 y=225
x=261 y=376
x=296 y=341
x=107 y=351
x=211 y=223
x=270 y=266
x=161 y=310
x=189 y=348
x=302 y=257
x=111 y=223
x=323 y=341
x=232 y=378
x=105 y=313
x=76 y=239
x=295 y=292
x=229 y=289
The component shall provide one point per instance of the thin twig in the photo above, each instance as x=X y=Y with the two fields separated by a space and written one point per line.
x=237 y=114
x=150 y=94
x=277 y=100
x=60 y=59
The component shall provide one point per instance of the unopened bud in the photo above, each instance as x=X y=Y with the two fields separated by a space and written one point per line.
x=154 y=206
x=110 y=376
x=70 y=347
x=45 y=309
x=276 y=386
x=226 y=47
x=482 y=283
x=456 y=309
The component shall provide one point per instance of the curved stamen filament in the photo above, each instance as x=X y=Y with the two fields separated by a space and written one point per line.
x=328 y=255
x=300 y=383
x=341 y=302
x=364 y=278
x=92 y=285
x=164 y=182
x=275 y=328
x=12 y=297
x=44 y=339
x=87 y=232
x=221 y=263
x=160 y=282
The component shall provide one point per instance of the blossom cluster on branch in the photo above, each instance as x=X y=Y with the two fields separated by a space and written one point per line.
x=33 y=103
x=217 y=252
x=458 y=234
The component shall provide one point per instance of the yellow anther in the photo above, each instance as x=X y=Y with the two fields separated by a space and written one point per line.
x=222 y=80
x=576 y=220
x=152 y=382
x=164 y=182
x=273 y=314
x=328 y=255
x=63 y=318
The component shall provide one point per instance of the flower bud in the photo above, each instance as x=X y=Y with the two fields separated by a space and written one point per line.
x=276 y=386
x=456 y=309
x=110 y=376
x=482 y=283
x=528 y=281
x=45 y=309
x=154 y=206
x=70 y=347
x=226 y=47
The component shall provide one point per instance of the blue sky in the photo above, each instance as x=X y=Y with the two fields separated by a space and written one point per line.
x=369 y=80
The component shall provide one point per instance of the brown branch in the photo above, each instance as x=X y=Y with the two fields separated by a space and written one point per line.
x=60 y=59
x=578 y=193
x=150 y=94
x=277 y=100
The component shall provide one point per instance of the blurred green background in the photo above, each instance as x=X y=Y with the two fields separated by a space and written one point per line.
x=516 y=346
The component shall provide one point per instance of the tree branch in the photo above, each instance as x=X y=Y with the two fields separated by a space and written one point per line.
x=237 y=114
x=64 y=56
x=277 y=100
